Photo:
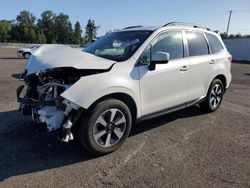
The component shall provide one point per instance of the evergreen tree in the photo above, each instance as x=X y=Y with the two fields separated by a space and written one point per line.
x=77 y=33
x=91 y=30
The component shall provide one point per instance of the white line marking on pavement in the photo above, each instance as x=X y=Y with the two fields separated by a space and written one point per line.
x=130 y=155
x=236 y=108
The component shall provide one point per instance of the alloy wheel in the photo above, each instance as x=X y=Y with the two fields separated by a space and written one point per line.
x=216 y=95
x=109 y=127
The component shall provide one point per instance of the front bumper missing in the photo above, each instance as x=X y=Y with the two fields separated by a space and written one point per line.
x=52 y=115
x=33 y=102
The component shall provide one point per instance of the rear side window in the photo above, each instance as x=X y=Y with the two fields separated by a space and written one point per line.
x=214 y=43
x=197 y=44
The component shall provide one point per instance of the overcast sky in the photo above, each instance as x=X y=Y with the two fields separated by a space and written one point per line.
x=116 y=14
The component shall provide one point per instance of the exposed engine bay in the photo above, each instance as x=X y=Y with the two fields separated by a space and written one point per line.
x=42 y=99
x=48 y=74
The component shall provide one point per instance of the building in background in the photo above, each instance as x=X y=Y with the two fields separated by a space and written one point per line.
x=239 y=48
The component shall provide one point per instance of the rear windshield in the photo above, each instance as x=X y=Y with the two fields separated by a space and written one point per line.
x=118 y=46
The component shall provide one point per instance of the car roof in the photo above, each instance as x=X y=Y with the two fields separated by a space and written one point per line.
x=165 y=27
x=140 y=28
x=171 y=25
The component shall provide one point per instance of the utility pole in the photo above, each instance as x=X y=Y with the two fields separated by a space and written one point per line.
x=229 y=19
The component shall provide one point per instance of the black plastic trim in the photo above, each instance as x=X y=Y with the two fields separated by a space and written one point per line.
x=33 y=102
x=171 y=109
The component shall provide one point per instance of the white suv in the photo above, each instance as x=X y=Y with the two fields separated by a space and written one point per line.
x=126 y=76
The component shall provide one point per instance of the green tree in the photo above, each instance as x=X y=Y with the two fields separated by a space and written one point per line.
x=24 y=30
x=63 y=29
x=91 y=30
x=77 y=33
x=5 y=28
x=233 y=36
x=46 y=25
x=41 y=37
x=238 y=35
x=224 y=35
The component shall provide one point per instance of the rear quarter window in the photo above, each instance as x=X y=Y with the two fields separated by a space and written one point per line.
x=197 y=44
x=214 y=43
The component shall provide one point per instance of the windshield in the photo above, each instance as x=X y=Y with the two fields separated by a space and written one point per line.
x=118 y=46
x=35 y=47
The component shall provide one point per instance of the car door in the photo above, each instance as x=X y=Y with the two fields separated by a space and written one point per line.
x=201 y=64
x=167 y=85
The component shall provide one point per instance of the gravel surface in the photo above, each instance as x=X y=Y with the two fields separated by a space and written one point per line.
x=183 y=149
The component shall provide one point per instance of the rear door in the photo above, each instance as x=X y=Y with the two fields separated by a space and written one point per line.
x=201 y=64
x=220 y=56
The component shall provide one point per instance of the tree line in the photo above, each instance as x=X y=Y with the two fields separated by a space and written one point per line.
x=54 y=28
x=233 y=36
x=50 y=28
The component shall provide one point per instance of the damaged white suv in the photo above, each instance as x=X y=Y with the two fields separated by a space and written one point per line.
x=133 y=74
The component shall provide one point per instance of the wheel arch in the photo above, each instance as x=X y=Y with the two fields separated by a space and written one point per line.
x=223 y=79
x=124 y=97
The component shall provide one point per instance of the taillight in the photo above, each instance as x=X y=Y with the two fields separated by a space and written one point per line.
x=230 y=58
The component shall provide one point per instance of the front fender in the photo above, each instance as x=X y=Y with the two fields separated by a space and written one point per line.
x=89 y=89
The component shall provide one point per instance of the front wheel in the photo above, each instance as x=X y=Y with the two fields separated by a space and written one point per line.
x=105 y=126
x=214 y=96
x=26 y=55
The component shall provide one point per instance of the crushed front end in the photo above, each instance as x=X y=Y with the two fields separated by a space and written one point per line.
x=41 y=98
x=48 y=74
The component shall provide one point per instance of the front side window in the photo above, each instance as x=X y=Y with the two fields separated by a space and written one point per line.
x=214 y=43
x=170 y=42
x=197 y=44
x=118 y=46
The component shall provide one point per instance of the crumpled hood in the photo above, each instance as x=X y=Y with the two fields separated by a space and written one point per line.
x=55 y=56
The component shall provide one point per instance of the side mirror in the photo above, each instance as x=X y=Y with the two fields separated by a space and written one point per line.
x=158 y=58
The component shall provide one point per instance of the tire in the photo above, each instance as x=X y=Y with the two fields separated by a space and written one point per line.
x=26 y=55
x=105 y=126
x=214 y=96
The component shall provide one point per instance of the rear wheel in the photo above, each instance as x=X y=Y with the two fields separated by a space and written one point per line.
x=105 y=126
x=214 y=96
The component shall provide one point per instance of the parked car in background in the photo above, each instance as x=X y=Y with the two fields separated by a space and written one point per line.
x=26 y=52
x=126 y=76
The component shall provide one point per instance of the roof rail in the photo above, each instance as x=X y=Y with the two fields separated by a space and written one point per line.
x=185 y=24
x=131 y=27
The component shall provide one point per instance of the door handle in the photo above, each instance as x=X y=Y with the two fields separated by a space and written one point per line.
x=184 y=68
x=212 y=61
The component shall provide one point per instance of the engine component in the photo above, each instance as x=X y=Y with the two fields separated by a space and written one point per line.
x=66 y=134
x=43 y=99
x=52 y=117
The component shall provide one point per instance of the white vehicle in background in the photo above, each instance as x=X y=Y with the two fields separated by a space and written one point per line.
x=124 y=77
x=26 y=52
